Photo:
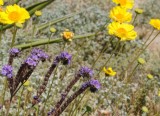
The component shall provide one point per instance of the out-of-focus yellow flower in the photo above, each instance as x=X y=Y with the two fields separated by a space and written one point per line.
x=1 y=2
x=139 y=11
x=145 y=109
x=14 y=14
x=122 y=30
x=159 y=93
x=109 y=71
x=27 y=83
x=30 y=89
x=141 y=61
x=67 y=35
x=120 y=15
x=155 y=23
x=149 y=76
x=125 y=3
x=38 y=13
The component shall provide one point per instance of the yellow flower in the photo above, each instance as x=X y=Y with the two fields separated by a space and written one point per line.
x=139 y=11
x=145 y=109
x=67 y=35
x=14 y=14
x=149 y=76
x=38 y=13
x=155 y=23
x=120 y=15
x=1 y=2
x=122 y=30
x=109 y=71
x=125 y=3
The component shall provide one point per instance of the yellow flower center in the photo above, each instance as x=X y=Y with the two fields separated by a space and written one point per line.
x=1 y=10
x=121 y=31
x=14 y=16
x=119 y=16
x=122 y=2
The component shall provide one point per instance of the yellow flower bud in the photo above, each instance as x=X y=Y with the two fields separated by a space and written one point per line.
x=139 y=11
x=141 y=61
x=145 y=109
x=52 y=30
x=38 y=13
x=149 y=76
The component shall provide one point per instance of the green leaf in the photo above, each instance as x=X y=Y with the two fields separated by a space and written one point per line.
x=46 y=41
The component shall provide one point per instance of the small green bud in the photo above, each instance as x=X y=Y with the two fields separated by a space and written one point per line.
x=19 y=25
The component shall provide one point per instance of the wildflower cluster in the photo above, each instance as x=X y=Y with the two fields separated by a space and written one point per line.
x=121 y=17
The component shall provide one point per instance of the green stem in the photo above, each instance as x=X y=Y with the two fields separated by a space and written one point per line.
x=130 y=64
x=135 y=18
x=117 y=44
x=45 y=41
x=4 y=91
x=49 y=41
x=14 y=36
x=103 y=50
x=130 y=76
x=19 y=102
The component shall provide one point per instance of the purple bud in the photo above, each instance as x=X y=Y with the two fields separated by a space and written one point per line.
x=86 y=72
x=7 y=71
x=14 y=52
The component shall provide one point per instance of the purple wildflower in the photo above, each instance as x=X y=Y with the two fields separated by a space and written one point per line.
x=31 y=62
x=7 y=71
x=39 y=53
x=65 y=57
x=86 y=72
x=14 y=52
x=94 y=85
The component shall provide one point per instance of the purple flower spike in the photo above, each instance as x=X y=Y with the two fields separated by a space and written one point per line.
x=14 y=52
x=85 y=72
x=7 y=71
x=31 y=62
x=95 y=85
